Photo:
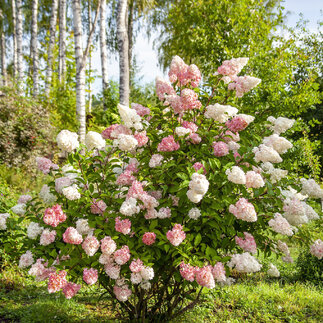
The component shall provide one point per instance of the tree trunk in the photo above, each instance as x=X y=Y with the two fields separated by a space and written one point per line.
x=103 y=48
x=123 y=52
x=62 y=40
x=34 y=47
x=52 y=31
x=81 y=64
x=14 y=37
x=130 y=37
x=19 y=44
x=80 y=70
x=3 y=59
x=3 y=51
x=90 y=58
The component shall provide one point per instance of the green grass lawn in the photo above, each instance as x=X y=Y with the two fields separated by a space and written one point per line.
x=252 y=299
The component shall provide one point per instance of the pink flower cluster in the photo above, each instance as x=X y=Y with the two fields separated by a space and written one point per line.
x=140 y=109
x=114 y=131
x=122 y=292
x=90 y=245
x=39 y=270
x=72 y=236
x=54 y=216
x=108 y=246
x=141 y=137
x=197 y=166
x=243 y=84
x=122 y=255
x=184 y=74
x=98 y=207
x=248 y=243
x=47 y=237
x=237 y=124
x=176 y=236
x=149 y=238
x=316 y=249
x=168 y=144
x=123 y=226
x=243 y=210
x=126 y=178
x=136 y=266
x=220 y=148
x=232 y=67
x=56 y=281
x=188 y=100
x=205 y=276
x=90 y=276
x=163 y=88
x=45 y=164
x=70 y=289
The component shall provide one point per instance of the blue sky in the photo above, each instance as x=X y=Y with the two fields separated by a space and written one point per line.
x=147 y=56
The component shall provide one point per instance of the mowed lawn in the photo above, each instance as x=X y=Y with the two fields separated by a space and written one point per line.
x=254 y=298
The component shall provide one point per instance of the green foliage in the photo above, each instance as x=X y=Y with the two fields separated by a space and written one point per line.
x=309 y=267
x=25 y=129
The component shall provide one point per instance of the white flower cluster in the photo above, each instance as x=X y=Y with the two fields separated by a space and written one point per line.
x=220 y=113
x=130 y=117
x=198 y=185
x=273 y=271
x=311 y=188
x=276 y=174
x=282 y=246
x=129 y=207
x=71 y=192
x=67 y=140
x=254 y=180
x=125 y=142
x=19 y=209
x=47 y=237
x=280 y=144
x=194 y=213
x=264 y=154
x=82 y=227
x=143 y=277
x=244 y=263
x=280 y=125
x=181 y=131
x=34 y=230
x=155 y=160
x=280 y=225
x=46 y=196
x=246 y=117
x=26 y=259
x=3 y=220
x=62 y=182
x=296 y=211
x=234 y=146
x=236 y=175
x=94 y=140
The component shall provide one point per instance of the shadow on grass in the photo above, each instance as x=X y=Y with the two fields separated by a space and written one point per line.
x=34 y=304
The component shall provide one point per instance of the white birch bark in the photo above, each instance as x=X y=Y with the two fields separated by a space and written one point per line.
x=90 y=58
x=123 y=52
x=52 y=33
x=62 y=40
x=19 y=43
x=3 y=58
x=14 y=37
x=103 y=46
x=34 y=46
x=81 y=58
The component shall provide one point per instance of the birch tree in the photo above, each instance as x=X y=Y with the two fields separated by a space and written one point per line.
x=62 y=40
x=103 y=47
x=34 y=47
x=52 y=33
x=123 y=44
x=3 y=50
x=81 y=63
x=14 y=37
x=19 y=43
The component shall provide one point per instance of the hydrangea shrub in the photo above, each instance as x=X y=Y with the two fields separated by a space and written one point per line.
x=170 y=202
